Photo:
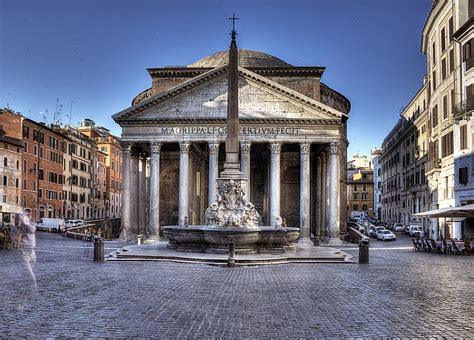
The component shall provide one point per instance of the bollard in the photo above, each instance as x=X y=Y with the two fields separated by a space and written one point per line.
x=139 y=239
x=231 y=259
x=98 y=249
x=364 y=250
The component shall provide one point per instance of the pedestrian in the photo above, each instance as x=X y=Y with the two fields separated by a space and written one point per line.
x=28 y=244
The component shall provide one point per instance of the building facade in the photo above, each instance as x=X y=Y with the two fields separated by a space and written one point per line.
x=377 y=175
x=79 y=173
x=403 y=158
x=10 y=170
x=360 y=190
x=292 y=136
x=463 y=118
x=110 y=145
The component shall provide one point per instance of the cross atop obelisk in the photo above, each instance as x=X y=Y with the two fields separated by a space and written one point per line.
x=233 y=24
x=232 y=164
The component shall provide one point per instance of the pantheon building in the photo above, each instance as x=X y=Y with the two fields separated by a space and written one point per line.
x=293 y=145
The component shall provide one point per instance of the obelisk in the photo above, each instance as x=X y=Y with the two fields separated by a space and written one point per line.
x=232 y=164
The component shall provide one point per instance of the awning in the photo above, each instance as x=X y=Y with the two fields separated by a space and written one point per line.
x=465 y=211
x=10 y=208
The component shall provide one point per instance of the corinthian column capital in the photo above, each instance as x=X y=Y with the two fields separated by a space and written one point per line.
x=155 y=147
x=184 y=146
x=213 y=147
x=275 y=148
x=126 y=147
x=245 y=147
x=305 y=148
x=334 y=147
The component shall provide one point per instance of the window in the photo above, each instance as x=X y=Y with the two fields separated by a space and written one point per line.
x=434 y=116
x=451 y=60
x=24 y=184
x=355 y=207
x=364 y=196
x=5 y=162
x=434 y=80
x=468 y=54
x=40 y=193
x=364 y=207
x=443 y=69
x=40 y=174
x=5 y=180
x=364 y=187
x=355 y=187
x=445 y=107
x=463 y=178
x=447 y=144
x=463 y=135
x=443 y=39
x=26 y=131
x=355 y=196
x=433 y=52
x=17 y=183
x=25 y=166
x=450 y=29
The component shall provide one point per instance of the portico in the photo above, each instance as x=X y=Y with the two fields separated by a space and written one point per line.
x=292 y=149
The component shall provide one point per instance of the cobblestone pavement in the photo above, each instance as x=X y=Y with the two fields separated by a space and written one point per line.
x=401 y=293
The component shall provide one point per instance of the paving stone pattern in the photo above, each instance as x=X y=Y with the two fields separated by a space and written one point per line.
x=401 y=293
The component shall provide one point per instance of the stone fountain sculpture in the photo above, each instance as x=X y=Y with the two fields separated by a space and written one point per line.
x=231 y=218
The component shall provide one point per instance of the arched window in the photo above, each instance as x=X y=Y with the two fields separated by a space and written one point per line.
x=5 y=162
x=5 y=180
x=17 y=182
x=17 y=165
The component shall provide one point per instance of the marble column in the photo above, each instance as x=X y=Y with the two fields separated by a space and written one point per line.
x=275 y=149
x=319 y=196
x=154 y=199
x=184 y=148
x=126 y=212
x=305 y=187
x=325 y=201
x=142 y=201
x=134 y=192
x=245 y=163
x=334 y=194
x=213 y=171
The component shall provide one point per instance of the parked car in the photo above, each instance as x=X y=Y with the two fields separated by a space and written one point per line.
x=386 y=235
x=74 y=223
x=378 y=230
x=415 y=230
x=51 y=224
x=398 y=227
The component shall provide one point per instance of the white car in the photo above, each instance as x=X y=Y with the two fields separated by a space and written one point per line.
x=74 y=223
x=386 y=235
x=398 y=227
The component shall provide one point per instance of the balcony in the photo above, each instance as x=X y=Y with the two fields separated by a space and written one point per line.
x=464 y=109
x=432 y=165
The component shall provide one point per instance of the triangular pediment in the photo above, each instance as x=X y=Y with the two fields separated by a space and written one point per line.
x=205 y=97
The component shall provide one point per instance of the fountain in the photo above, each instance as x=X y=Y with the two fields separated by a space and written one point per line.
x=232 y=218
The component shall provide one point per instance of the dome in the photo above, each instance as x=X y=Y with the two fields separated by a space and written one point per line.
x=247 y=58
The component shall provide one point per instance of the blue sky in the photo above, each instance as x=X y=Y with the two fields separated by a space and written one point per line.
x=95 y=53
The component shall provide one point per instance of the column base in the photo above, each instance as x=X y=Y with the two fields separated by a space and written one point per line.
x=152 y=239
x=332 y=241
x=305 y=241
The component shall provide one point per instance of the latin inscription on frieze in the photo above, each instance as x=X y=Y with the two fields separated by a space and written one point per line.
x=244 y=130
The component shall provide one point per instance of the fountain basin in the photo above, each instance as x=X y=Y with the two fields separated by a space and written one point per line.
x=206 y=239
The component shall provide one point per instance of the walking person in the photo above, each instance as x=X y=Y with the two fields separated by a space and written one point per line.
x=28 y=244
